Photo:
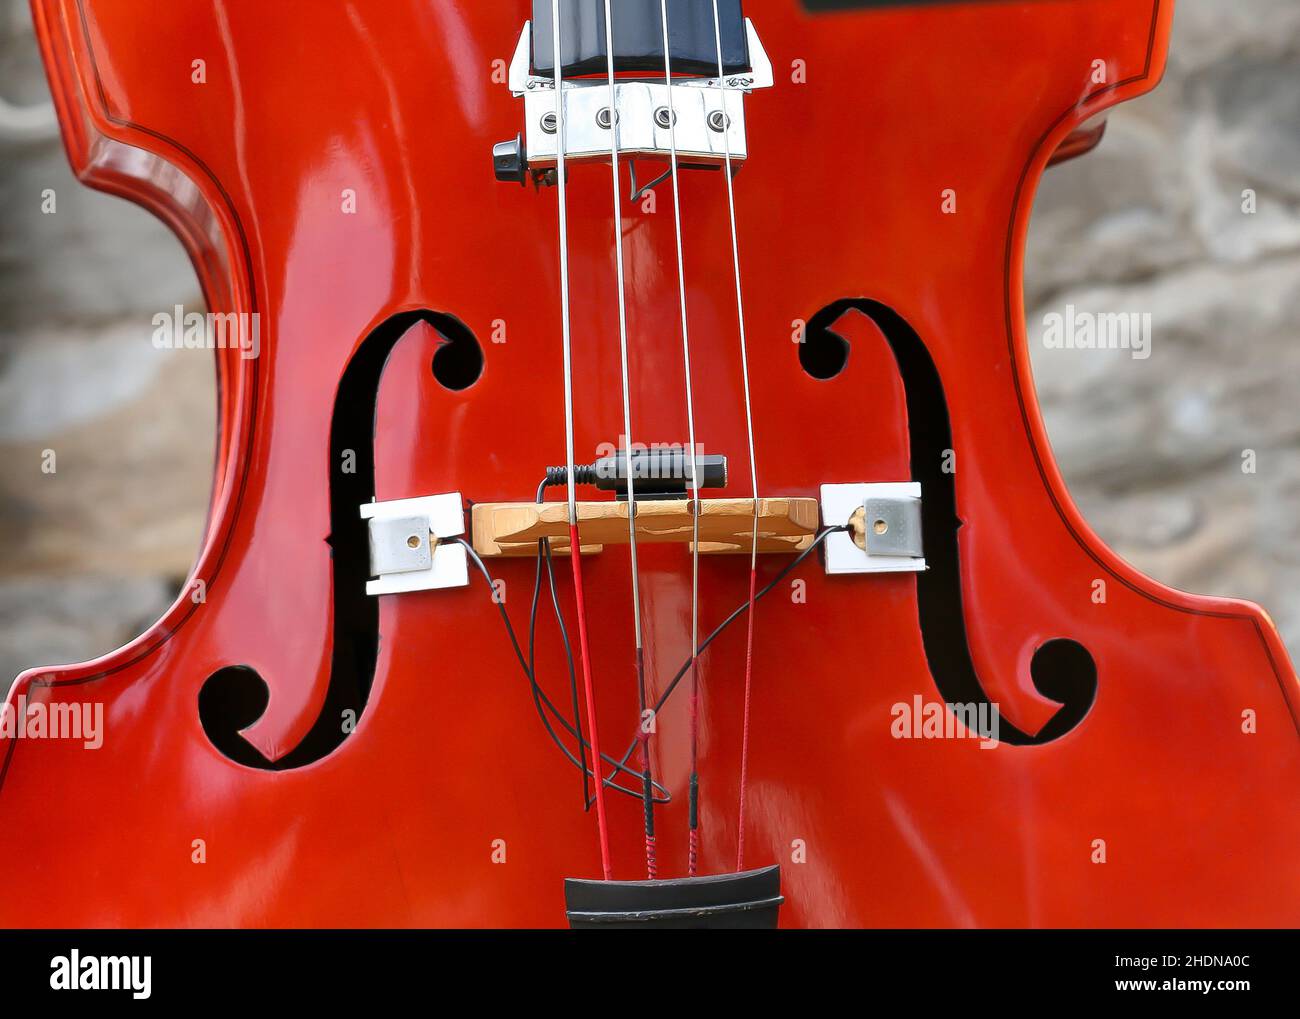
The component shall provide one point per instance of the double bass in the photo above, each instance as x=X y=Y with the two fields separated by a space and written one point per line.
x=634 y=509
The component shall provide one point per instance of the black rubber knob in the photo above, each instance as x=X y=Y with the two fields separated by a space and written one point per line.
x=509 y=162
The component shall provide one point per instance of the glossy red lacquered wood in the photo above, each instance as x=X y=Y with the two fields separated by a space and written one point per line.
x=842 y=197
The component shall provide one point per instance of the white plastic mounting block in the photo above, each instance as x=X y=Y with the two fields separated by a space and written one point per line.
x=839 y=502
x=448 y=566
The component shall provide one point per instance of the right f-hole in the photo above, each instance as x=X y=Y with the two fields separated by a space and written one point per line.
x=823 y=354
x=458 y=362
x=1062 y=670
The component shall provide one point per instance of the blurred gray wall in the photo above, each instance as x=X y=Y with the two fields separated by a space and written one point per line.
x=1153 y=222
x=93 y=553
x=1152 y=449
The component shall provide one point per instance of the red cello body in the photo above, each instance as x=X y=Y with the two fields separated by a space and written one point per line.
x=330 y=174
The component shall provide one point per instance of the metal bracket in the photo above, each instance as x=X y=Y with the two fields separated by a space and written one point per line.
x=887 y=535
x=889 y=526
x=407 y=547
x=710 y=119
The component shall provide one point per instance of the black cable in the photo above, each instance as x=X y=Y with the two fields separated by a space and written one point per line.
x=822 y=535
x=637 y=192
x=540 y=694
x=543 y=703
x=619 y=766
x=531 y=670
x=544 y=553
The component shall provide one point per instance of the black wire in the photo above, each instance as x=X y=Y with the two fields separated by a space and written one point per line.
x=619 y=766
x=822 y=535
x=544 y=553
x=543 y=703
x=543 y=548
x=637 y=192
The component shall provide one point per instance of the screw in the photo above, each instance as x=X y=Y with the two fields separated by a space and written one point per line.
x=719 y=121
x=603 y=119
x=550 y=124
x=665 y=118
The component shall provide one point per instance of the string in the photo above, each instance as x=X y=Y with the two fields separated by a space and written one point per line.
x=693 y=806
x=544 y=553
x=753 y=465
x=643 y=723
x=575 y=544
x=745 y=606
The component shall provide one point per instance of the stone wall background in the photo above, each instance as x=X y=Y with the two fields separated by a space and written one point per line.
x=1151 y=449
x=95 y=552
x=1152 y=221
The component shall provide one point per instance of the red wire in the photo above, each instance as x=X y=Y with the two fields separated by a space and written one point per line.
x=575 y=554
x=744 y=738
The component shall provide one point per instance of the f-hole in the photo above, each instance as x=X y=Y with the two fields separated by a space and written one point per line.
x=458 y=362
x=823 y=354
x=1062 y=670
x=233 y=698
